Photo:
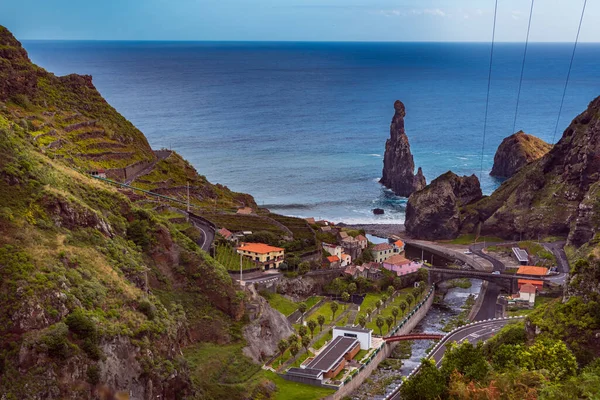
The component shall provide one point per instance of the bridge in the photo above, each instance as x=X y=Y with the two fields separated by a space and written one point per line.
x=507 y=282
x=416 y=336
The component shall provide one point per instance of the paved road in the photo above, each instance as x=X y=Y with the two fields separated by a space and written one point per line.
x=477 y=248
x=488 y=305
x=557 y=248
x=208 y=233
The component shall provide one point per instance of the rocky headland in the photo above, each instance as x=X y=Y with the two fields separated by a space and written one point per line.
x=398 y=164
x=516 y=151
x=434 y=212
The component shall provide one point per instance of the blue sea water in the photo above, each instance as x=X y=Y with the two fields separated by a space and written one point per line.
x=302 y=126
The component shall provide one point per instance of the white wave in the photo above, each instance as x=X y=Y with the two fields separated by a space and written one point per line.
x=375 y=155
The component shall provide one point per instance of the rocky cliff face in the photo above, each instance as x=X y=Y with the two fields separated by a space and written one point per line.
x=516 y=151
x=398 y=165
x=266 y=329
x=434 y=212
x=555 y=195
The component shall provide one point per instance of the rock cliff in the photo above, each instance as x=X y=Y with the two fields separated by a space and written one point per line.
x=398 y=164
x=516 y=151
x=556 y=195
x=434 y=212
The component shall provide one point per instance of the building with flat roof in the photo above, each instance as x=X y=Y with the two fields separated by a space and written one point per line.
x=363 y=335
x=521 y=255
x=332 y=359
x=263 y=255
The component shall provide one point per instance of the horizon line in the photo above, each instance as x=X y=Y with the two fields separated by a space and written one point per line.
x=298 y=41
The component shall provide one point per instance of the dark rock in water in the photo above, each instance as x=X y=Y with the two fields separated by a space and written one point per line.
x=398 y=164
x=378 y=211
x=434 y=212
x=556 y=195
x=517 y=151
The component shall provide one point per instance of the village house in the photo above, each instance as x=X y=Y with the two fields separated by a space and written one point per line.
x=400 y=265
x=244 y=211
x=333 y=249
x=333 y=262
x=325 y=228
x=345 y=259
x=527 y=293
x=352 y=247
x=398 y=246
x=310 y=220
x=532 y=270
x=227 y=235
x=352 y=270
x=98 y=173
x=382 y=252
x=362 y=241
x=263 y=255
x=373 y=271
x=341 y=236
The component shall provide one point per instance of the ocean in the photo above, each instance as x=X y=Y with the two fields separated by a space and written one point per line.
x=302 y=126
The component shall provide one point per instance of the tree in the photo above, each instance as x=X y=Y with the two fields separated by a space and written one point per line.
x=312 y=325
x=389 y=321
x=395 y=312
x=379 y=322
x=403 y=306
x=390 y=291
x=337 y=286
x=384 y=298
x=398 y=283
x=467 y=359
x=427 y=384
x=369 y=312
x=294 y=349
x=302 y=330
x=321 y=321
x=305 y=342
x=409 y=299
x=345 y=297
x=551 y=355
x=415 y=293
x=334 y=308
x=378 y=305
x=302 y=308
x=362 y=321
x=352 y=288
x=283 y=345
x=303 y=267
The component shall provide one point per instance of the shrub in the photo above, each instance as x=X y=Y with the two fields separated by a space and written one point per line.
x=147 y=309
x=93 y=374
x=56 y=341
x=82 y=325
x=137 y=232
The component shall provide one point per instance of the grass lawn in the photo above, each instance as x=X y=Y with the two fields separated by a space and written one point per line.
x=287 y=390
x=280 y=303
x=361 y=354
x=319 y=343
x=301 y=359
x=370 y=301
x=325 y=310
x=311 y=301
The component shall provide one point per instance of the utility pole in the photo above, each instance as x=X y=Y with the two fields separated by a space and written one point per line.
x=188 y=196
x=240 y=268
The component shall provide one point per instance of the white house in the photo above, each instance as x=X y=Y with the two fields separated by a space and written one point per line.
x=527 y=293
x=363 y=335
x=345 y=259
x=333 y=249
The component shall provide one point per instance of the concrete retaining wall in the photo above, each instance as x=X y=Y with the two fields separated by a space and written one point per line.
x=384 y=351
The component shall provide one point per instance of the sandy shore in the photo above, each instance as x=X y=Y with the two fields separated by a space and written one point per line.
x=381 y=230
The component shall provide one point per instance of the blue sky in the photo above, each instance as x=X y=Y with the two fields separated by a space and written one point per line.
x=297 y=20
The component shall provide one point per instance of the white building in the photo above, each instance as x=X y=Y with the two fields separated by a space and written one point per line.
x=363 y=335
x=527 y=293
x=333 y=249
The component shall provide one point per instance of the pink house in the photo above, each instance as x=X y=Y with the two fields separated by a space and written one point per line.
x=400 y=265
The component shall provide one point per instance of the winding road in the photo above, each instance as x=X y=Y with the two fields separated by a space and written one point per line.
x=208 y=232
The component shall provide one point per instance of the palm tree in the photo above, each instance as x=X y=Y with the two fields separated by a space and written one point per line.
x=395 y=312
x=334 y=307
x=390 y=291
x=389 y=321
x=305 y=342
x=378 y=305
x=312 y=325
x=369 y=312
x=302 y=330
x=409 y=299
x=294 y=349
x=362 y=321
x=283 y=345
x=345 y=297
x=302 y=308
x=403 y=306
x=379 y=322
x=384 y=298
x=321 y=321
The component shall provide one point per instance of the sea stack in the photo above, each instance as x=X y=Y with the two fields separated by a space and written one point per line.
x=398 y=165
x=434 y=212
x=516 y=151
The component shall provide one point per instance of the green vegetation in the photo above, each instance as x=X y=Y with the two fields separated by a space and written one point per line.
x=463 y=283
x=287 y=390
x=471 y=238
x=230 y=259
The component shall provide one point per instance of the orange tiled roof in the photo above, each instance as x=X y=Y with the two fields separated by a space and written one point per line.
x=382 y=246
x=361 y=238
x=397 y=260
x=399 y=243
x=259 y=248
x=333 y=259
x=530 y=281
x=532 y=270
x=225 y=233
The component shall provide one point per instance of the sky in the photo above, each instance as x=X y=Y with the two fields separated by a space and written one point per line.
x=298 y=20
